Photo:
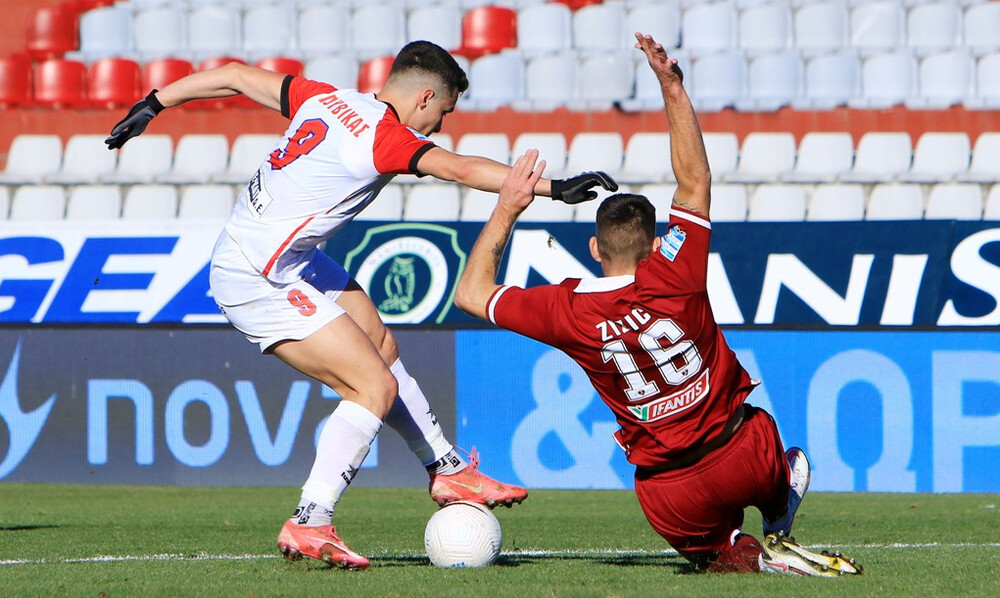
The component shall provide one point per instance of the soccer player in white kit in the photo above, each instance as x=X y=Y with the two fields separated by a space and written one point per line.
x=270 y=280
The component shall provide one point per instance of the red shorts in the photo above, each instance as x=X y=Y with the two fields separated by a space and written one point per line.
x=698 y=508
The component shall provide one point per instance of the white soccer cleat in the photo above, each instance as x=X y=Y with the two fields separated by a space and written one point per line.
x=798 y=482
x=782 y=556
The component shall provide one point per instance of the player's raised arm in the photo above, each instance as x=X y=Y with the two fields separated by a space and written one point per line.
x=479 y=280
x=261 y=86
x=687 y=149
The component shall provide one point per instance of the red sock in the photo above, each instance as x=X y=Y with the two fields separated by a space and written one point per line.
x=740 y=558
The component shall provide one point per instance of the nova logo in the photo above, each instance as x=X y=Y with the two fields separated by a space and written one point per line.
x=22 y=427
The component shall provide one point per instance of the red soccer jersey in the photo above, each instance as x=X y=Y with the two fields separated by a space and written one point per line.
x=649 y=343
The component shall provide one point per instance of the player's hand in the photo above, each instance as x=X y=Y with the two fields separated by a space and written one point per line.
x=518 y=189
x=666 y=69
x=135 y=121
x=580 y=188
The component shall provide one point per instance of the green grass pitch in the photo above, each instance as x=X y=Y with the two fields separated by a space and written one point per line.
x=142 y=541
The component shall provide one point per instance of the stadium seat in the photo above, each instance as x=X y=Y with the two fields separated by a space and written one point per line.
x=709 y=28
x=982 y=28
x=31 y=158
x=544 y=29
x=877 y=27
x=821 y=28
x=85 y=160
x=495 y=80
x=831 y=203
x=444 y=141
x=495 y=146
x=157 y=74
x=4 y=203
x=197 y=158
x=206 y=202
x=545 y=209
x=551 y=148
x=142 y=159
x=113 y=83
x=934 y=27
x=387 y=206
x=60 y=83
x=773 y=81
x=985 y=167
x=338 y=70
x=719 y=81
x=438 y=23
x=150 y=202
x=214 y=30
x=284 y=66
x=599 y=29
x=729 y=203
x=661 y=195
x=488 y=29
x=324 y=30
x=887 y=80
x=648 y=96
x=377 y=30
x=880 y=158
x=603 y=81
x=268 y=30
x=478 y=205
x=660 y=20
x=987 y=84
x=595 y=151
x=94 y=202
x=830 y=81
x=764 y=157
x=159 y=32
x=38 y=202
x=247 y=154
x=822 y=158
x=778 y=203
x=549 y=83
x=104 y=32
x=723 y=153
x=992 y=209
x=435 y=202
x=765 y=28
x=938 y=157
x=894 y=201
x=955 y=201
x=373 y=73
x=52 y=31
x=944 y=80
x=15 y=81
x=647 y=159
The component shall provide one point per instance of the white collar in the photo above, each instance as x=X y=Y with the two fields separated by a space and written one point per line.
x=604 y=283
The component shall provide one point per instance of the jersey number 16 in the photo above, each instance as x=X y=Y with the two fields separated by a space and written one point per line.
x=676 y=362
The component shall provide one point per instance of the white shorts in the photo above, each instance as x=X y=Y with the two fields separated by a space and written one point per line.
x=267 y=312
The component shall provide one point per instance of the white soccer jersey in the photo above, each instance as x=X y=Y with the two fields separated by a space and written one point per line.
x=341 y=148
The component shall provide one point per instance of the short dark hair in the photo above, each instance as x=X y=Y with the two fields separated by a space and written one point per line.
x=430 y=58
x=626 y=226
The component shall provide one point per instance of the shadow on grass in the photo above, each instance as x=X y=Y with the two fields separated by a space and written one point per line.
x=677 y=564
x=25 y=528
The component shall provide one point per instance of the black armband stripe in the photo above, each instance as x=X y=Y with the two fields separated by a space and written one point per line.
x=285 y=84
x=423 y=149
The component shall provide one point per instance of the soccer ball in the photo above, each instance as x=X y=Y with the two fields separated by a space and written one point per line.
x=463 y=534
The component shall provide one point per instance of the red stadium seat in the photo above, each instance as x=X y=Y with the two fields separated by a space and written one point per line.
x=157 y=74
x=60 y=83
x=373 y=74
x=15 y=81
x=52 y=31
x=113 y=83
x=81 y=6
x=578 y=4
x=285 y=66
x=218 y=104
x=488 y=29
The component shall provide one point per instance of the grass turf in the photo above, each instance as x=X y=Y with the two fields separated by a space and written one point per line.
x=558 y=543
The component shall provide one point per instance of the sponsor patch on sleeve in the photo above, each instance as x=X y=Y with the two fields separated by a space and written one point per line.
x=417 y=134
x=670 y=243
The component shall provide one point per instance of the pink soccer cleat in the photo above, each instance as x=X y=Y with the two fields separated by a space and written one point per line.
x=472 y=485
x=321 y=542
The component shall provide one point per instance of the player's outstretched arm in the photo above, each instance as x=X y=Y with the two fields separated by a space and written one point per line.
x=687 y=148
x=479 y=280
x=488 y=175
x=261 y=86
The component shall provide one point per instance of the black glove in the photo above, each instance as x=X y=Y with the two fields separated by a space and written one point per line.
x=135 y=121
x=578 y=189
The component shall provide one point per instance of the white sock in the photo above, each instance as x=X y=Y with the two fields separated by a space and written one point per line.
x=414 y=419
x=343 y=446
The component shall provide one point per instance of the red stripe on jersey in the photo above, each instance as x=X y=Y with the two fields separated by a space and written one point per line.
x=274 y=258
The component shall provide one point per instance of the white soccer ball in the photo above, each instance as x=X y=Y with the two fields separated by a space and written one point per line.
x=463 y=534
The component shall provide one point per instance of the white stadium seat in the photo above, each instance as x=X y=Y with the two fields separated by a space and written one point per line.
x=895 y=201
x=160 y=32
x=723 y=151
x=765 y=28
x=764 y=157
x=880 y=157
x=661 y=195
x=831 y=81
x=603 y=81
x=660 y=20
x=599 y=29
x=38 y=202
x=150 y=202
x=268 y=30
x=104 y=32
x=992 y=209
x=387 y=206
x=939 y=157
x=729 y=203
x=648 y=96
x=709 y=27
x=982 y=28
x=495 y=146
x=478 y=205
x=4 y=202
x=214 y=30
x=247 y=154
x=94 y=202
x=987 y=84
x=142 y=159
x=206 y=202
x=339 y=70
x=31 y=159
x=544 y=29
x=551 y=148
x=887 y=80
x=438 y=23
x=821 y=27
x=830 y=203
x=324 y=30
x=197 y=159
x=719 y=81
x=822 y=157
x=773 y=81
x=550 y=82
x=546 y=209
x=378 y=30
x=934 y=27
x=945 y=79
x=778 y=203
x=985 y=166
x=647 y=159
x=495 y=80
x=595 y=151
x=961 y=201
x=85 y=160
x=878 y=27
x=433 y=202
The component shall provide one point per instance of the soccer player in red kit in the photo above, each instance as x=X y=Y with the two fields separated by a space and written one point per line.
x=646 y=336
